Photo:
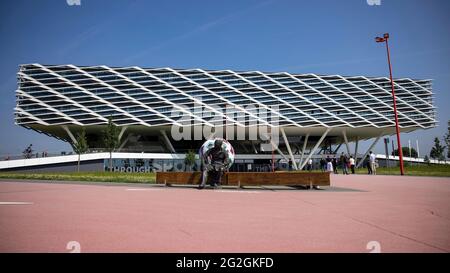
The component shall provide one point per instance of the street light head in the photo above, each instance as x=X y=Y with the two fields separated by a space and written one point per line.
x=386 y=35
x=379 y=39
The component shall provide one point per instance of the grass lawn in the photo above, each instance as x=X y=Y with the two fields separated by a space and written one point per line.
x=422 y=170
x=425 y=170
x=85 y=176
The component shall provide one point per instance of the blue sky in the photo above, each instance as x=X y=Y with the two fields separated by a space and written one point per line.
x=320 y=36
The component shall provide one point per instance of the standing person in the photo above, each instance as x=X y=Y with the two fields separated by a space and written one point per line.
x=329 y=164
x=352 y=164
x=322 y=164
x=344 y=161
x=347 y=164
x=334 y=163
x=372 y=161
x=309 y=167
x=367 y=162
x=28 y=153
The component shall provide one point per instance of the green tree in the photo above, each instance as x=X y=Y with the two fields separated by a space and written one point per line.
x=447 y=139
x=189 y=159
x=111 y=139
x=405 y=152
x=81 y=146
x=437 y=151
x=426 y=159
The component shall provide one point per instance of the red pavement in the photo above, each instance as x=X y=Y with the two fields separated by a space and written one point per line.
x=403 y=214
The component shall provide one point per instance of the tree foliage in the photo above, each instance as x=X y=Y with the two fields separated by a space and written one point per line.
x=426 y=159
x=447 y=139
x=189 y=159
x=437 y=151
x=405 y=152
x=81 y=146
x=111 y=136
x=111 y=139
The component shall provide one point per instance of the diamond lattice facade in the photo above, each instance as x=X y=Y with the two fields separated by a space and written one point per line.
x=60 y=99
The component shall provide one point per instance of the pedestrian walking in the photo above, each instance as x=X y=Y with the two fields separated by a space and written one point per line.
x=372 y=161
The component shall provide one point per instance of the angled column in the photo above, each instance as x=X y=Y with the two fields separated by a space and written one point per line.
x=288 y=148
x=167 y=141
x=344 y=134
x=296 y=146
x=254 y=147
x=368 y=150
x=337 y=148
x=275 y=146
x=69 y=133
x=124 y=142
x=303 y=150
x=122 y=131
x=315 y=147
x=356 y=148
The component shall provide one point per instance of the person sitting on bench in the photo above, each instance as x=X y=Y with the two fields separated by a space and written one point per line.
x=214 y=164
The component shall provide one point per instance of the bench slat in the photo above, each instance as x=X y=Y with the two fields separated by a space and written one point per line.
x=249 y=178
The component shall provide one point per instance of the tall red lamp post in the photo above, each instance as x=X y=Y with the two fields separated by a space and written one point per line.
x=385 y=39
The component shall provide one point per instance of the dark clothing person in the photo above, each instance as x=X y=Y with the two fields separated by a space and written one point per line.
x=369 y=167
x=334 y=162
x=323 y=165
x=28 y=152
x=344 y=164
x=214 y=164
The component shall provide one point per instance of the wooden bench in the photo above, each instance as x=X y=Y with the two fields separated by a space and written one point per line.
x=240 y=179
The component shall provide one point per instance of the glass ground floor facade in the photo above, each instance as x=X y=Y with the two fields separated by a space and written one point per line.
x=178 y=165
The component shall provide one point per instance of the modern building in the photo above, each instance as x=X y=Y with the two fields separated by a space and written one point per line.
x=313 y=113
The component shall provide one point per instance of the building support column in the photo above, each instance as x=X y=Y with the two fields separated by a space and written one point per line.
x=288 y=148
x=279 y=151
x=124 y=142
x=243 y=147
x=123 y=129
x=368 y=150
x=167 y=141
x=344 y=134
x=337 y=148
x=297 y=149
x=303 y=150
x=315 y=147
x=254 y=147
x=74 y=140
x=274 y=146
x=356 y=148
x=296 y=146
